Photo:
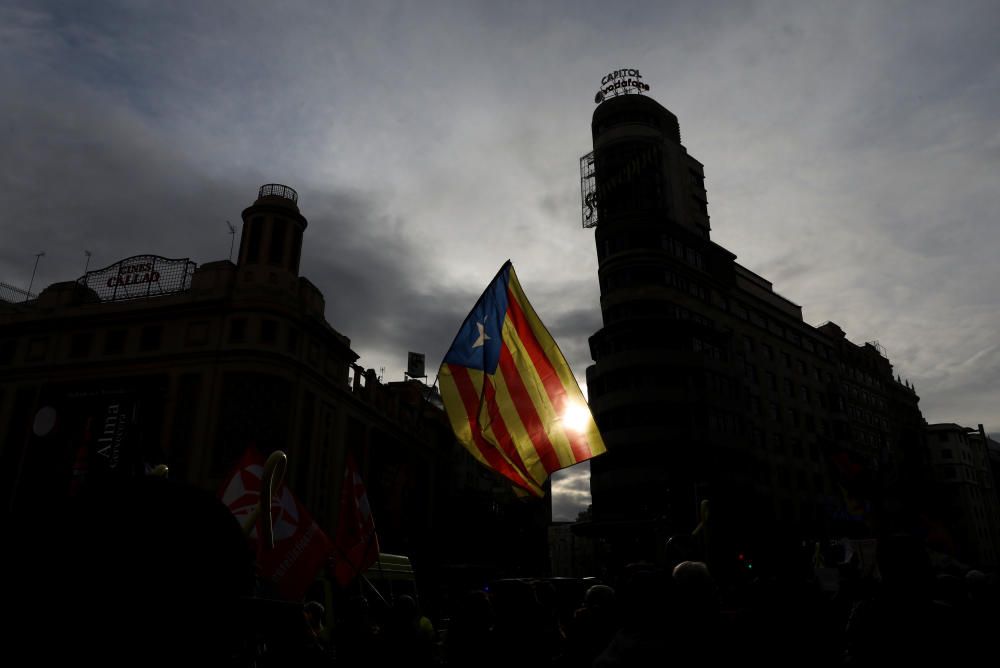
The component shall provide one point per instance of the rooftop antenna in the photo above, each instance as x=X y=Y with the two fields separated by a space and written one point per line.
x=38 y=256
x=86 y=266
x=232 y=233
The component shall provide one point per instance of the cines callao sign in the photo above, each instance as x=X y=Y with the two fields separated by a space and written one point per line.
x=140 y=276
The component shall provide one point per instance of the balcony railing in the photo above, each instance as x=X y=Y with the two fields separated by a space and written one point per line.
x=278 y=190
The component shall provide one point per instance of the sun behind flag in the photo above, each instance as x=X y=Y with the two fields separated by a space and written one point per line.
x=509 y=393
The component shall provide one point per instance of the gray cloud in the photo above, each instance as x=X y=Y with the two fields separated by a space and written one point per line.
x=570 y=492
x=850 y=154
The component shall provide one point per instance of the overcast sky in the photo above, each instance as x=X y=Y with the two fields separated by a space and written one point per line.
x=851 y=152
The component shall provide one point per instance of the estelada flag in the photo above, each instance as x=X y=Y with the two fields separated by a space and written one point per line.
x=509 y=393
x=355 y=545
x=300 y=546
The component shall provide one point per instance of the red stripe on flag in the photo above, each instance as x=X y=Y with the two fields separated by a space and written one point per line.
x=550 y=379
x=526 y=410
x=499 y=428
x=470 y=398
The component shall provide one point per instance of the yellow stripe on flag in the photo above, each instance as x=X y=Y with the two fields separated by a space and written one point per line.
x=518 y=431
x=576 y=415
x=457 y=404
x=535 y=386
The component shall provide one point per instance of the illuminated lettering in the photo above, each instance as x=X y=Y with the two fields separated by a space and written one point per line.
x=619 y=82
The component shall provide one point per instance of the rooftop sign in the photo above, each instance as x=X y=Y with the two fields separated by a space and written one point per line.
x=621 y=82
x=140 y=276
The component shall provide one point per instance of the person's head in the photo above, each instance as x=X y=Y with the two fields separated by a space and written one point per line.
x=694 y=576
x=694 y=585
x=599 y=596
x=976 y=584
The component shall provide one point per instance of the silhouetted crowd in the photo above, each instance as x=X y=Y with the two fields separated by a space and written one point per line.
x=679 y=617
x=166 y=579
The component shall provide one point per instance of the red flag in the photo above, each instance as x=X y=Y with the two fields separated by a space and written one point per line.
x=355 y=544
x=300 y=546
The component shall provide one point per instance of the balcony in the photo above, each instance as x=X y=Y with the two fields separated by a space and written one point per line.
x=278 y=190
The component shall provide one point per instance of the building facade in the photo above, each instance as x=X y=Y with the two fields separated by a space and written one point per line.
x=119 y=372
x=708 y=385
x=963 y=493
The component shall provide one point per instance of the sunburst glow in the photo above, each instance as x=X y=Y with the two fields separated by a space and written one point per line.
x=576 y=417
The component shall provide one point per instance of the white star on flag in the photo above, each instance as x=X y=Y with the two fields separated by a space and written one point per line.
x=483 y=337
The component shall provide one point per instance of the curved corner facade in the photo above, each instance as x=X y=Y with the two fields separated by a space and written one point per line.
x=651 y=246
x=707 y=384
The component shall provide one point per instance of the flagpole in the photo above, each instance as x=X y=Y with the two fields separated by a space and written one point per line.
x=378 y=561
x=357 y=571
x=274 y=473
x=374 y=589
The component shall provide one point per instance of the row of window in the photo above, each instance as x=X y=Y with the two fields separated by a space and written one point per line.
x=267 y=333
x=644 y=415
x=663 y=377
x=650 y=276
x=955 y=472
x=649 y=308
x=775 y=328
x=864 y=395
x=860 y=375
x=708 y=350
x=114 y=342
x=649 y=240
x=791 y=390
x=867 y=417
x=946 y=453
x=768 y=353
x=805 y=422
x=943 y=436
x=646 y=378
x=84 y=345
x=869 y=438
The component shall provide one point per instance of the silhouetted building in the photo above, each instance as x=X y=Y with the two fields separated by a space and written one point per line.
x=154 y=361
x=962 y=492
x=571 y=554
x=707 y=384
x=993 y=449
